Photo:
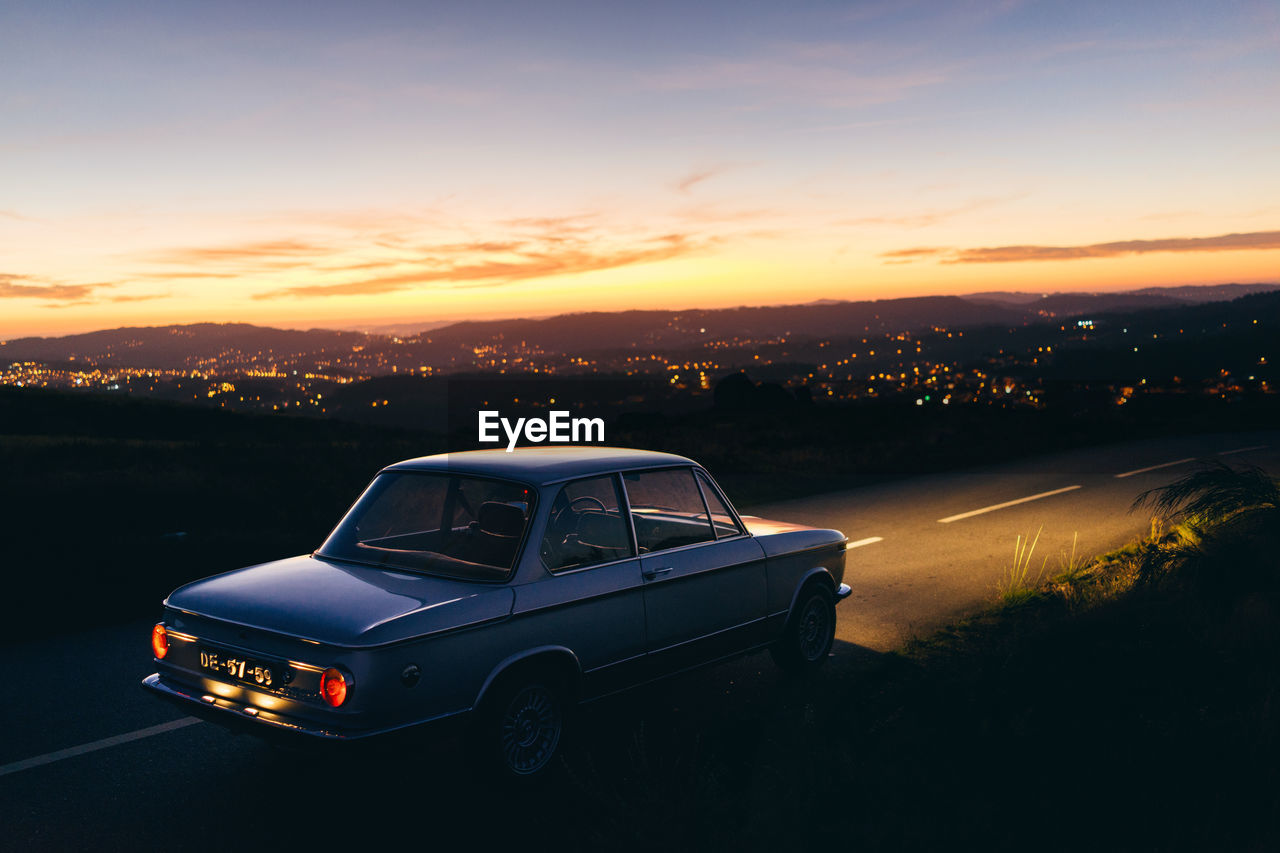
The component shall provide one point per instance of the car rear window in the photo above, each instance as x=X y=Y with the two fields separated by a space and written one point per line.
x=444 y=524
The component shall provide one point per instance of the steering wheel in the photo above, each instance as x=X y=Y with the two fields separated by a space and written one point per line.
x=570 y=506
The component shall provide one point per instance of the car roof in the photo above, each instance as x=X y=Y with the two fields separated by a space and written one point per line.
x=542 y=464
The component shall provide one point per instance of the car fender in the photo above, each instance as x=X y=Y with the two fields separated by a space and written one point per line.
x=561 y=652
x=816 y=571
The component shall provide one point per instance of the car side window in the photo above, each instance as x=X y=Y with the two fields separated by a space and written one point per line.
x=721 y=518
x=667 y=509
x=586 y=526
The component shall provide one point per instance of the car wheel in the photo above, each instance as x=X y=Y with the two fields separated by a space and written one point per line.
x=524 y=727
x=810 y=631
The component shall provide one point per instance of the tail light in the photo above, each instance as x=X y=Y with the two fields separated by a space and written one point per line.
x=159 y=640
x=333 y=687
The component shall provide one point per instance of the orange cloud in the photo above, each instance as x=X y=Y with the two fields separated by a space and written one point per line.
x=575 y=223
x=140 y=297
x=918 y=252
x=529 y=263
x=514 y=250
x=255 y=252
x=478 y=246
x=165 y=276
x=29 y=287
x=1011 y=254
x=369 y=265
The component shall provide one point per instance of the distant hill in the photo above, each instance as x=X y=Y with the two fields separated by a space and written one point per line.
x=1147 y=297
x=401 y=329
x=1005 y=297
x=1209 y=293
x=175 y=347
x=180 y=346
x=1075 y=304
x=610 y=330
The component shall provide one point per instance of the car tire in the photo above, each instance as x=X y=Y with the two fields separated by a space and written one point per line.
x=811 y=629
x=522 y=725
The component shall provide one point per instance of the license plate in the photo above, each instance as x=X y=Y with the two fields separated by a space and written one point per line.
x=253 y=671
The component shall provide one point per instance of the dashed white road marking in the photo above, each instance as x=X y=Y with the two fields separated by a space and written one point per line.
x=105 y=743
x=1156 y=467
x=995 y=507
x=870 y=540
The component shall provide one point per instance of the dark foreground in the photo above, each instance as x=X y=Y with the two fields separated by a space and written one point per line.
x=1145 y=721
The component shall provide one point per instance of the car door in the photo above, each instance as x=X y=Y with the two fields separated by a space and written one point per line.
x=591 y=600
x=704 y=584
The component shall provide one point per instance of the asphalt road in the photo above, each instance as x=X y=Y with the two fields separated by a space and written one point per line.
x=87 y=760
x=938 y=547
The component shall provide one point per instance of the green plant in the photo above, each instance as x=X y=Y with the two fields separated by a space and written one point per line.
x=1077 y=580
x=1018 y=587
x=1228 y=517
x=1217 y=494
x=1071 y=566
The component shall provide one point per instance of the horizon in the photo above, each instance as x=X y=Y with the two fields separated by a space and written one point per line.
x=420 y=327
x=325 y=166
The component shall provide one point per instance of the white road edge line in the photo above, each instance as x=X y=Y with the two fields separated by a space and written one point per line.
x=971 y=513
x=1242 y=450
x=870 y=540
x=1156 y=467
x=72 y=752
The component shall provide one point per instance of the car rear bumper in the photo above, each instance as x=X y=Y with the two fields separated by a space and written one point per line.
x=843 y=592
x=243 y=717
x=237 y=715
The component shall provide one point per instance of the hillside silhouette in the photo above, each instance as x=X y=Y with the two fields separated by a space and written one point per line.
x=176 y=346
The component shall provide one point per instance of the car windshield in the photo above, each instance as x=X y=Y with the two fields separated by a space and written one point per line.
x=438 y=523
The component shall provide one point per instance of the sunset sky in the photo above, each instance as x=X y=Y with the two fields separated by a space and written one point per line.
x=353 y=164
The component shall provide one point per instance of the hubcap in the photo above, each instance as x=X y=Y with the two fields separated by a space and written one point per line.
x=813 y=629
x=530 y=730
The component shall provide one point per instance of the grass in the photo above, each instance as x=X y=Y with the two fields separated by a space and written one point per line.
x=1073 y=564
x=1018 y=587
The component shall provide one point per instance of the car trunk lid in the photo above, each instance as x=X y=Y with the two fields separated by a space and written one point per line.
x=342 y=604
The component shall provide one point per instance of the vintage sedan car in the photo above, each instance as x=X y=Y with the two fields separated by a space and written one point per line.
x=498 y=588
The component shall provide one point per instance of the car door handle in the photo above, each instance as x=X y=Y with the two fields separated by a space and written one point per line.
x=650 y=574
